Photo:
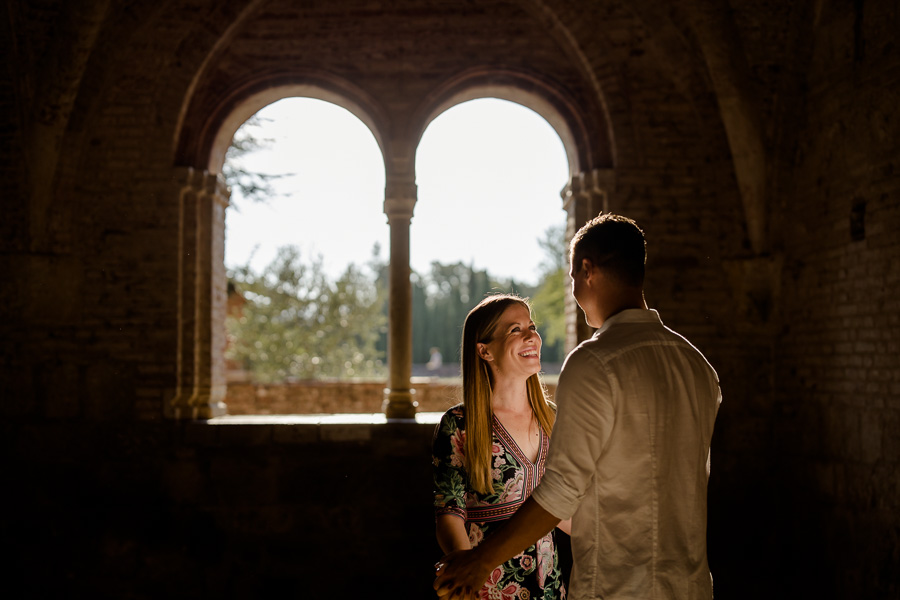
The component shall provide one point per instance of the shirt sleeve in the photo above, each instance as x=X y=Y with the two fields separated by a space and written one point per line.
x=585 y=414
x=448 y=459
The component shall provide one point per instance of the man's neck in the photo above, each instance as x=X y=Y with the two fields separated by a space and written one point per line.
x=625 y=299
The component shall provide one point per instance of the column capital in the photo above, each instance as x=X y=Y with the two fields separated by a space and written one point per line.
x=189 y=177
x=400 y=194
x=203 y=182
x=594 y=187
x=214 y=186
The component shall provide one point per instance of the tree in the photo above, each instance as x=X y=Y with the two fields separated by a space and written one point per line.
x=442 y=297
x=556 y=250
x=248 y=185
x=549 y=300
x=296 y=324
x=441 y=300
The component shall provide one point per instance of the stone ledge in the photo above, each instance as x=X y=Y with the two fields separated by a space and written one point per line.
x=423 y=418
x=353 y=428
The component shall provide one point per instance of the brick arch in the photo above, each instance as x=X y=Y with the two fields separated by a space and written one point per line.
x=203 y=139
x=206 y=132
x=585 y=148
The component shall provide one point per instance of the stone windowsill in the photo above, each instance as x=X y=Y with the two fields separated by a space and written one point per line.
x=422 y=418
x=311 y=429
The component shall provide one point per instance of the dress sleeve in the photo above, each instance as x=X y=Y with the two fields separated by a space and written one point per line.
x=450 y=477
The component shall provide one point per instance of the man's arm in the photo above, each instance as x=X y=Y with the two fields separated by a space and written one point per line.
x=461 y=574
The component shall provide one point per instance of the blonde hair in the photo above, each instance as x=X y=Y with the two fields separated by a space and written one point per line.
x=477 y=386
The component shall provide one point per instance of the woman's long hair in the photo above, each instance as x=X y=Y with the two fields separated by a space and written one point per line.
x=477 y=386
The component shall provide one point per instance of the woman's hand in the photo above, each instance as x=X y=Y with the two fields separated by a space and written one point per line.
x=460 y=575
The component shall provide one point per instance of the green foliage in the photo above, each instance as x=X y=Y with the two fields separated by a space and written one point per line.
x=443 y=297
x=441 y=300
x=248 y=185
x=549 y=306
x=555 y=248
x=549 y=300
x=296 y=324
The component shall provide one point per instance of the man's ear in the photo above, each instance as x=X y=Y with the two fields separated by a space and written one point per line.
x=483 y=352
x=587 y=267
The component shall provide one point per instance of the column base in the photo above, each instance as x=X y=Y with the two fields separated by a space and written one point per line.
x=206 y=404
x=208 y=411
x=399 y=404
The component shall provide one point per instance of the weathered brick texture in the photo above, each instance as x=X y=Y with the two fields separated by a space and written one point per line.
x=314 y=397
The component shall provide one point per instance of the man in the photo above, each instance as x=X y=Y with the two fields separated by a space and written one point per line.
x=629 y=456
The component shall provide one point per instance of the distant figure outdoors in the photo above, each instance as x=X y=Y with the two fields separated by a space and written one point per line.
x=435 y=360
x=629 y=460
x=491 y=450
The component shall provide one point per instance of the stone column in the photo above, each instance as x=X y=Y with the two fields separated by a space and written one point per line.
x=584 y=197
x=202 y=297
x=212 y=300
x=189 y=183
x=400 y=199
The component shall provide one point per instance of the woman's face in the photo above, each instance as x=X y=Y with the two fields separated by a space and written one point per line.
x=515 y=350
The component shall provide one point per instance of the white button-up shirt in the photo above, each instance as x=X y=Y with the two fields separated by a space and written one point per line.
x=629 y=461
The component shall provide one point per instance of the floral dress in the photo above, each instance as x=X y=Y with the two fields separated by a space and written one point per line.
x=532 y=574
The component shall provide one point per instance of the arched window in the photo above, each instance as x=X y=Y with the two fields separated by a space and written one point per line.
x=489 y=175
x=304 y=260
x=203 y=198
x=200 y=379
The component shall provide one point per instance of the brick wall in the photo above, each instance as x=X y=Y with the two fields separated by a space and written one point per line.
x=106 y=493
x=197 y=510
x=314 y=397
x=838 y=357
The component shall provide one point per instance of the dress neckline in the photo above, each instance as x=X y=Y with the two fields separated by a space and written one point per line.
x=514 y=446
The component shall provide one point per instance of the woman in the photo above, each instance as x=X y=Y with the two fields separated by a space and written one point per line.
x=489 y=452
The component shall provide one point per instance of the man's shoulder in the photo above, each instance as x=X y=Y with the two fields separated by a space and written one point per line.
x=586 y=360
x=618 y=336
x=612 y=343
x=582 y=352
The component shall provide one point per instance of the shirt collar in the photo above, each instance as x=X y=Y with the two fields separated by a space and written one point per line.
x=630 y=315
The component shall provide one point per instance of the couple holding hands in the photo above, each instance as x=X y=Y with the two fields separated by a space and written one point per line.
x=620 y=461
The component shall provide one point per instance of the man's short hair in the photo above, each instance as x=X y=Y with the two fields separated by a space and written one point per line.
x=615 y=244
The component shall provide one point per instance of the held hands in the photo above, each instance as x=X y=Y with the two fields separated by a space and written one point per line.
x=460 y=575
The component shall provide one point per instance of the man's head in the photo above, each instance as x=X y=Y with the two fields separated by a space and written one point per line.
x=615 y=245
x=607 y=258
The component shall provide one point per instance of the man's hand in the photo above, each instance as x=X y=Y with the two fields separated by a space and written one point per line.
x=460 y=575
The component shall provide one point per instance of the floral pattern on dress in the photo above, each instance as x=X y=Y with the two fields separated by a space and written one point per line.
x=533 y=574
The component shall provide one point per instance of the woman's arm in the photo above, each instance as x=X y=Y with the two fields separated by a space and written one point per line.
x=461 y=574
x=451 y=533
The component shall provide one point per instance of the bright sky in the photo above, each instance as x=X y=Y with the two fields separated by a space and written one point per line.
x=488 y=171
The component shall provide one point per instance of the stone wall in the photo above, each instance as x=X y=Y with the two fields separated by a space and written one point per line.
x=147 y=511
x=105 y=102
x=837 y=404
x=313 y=397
